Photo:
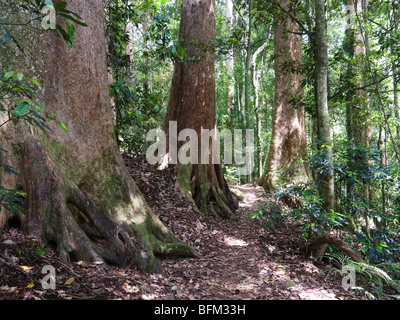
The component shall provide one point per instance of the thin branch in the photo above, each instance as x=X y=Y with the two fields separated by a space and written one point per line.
x=18 y=24
x=364 y=86
x=240 y=14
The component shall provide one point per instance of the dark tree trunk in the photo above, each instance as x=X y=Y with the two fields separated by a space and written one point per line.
x=192 y=105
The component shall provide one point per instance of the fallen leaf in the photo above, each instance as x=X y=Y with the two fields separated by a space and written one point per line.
x=8 y=242
x=69 y=281
x=31 y=285
x=25 y=267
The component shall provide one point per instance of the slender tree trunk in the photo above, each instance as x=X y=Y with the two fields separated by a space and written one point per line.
x=326 y=179
x=192 y=105
x=147 y=80
x=288 y=142
x=247 y=71
x=81 y=197
x=384 y=163
x=256 y=77
x=230 y=59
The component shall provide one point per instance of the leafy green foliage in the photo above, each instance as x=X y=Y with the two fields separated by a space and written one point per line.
x=18 y=100
x=11 y=199
x=270 y=216
x=35 y=8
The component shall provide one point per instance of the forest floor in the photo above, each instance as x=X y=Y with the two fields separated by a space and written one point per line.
x=240 y=260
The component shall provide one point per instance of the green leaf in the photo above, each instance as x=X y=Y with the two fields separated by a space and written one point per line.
x=35 y=82
x=68 y=17
x=71 y=33
x=22 y=109
x=20 y=76
x=74 y=14
x=64 y=34
x=8 y=75
x=62 y=125
x=41 y=125
x=37 y=107
x=50 y=116
x=60 y=6
x=9 y=169
x=40 y=251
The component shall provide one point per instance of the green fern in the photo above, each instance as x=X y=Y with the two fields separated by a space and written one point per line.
x=380 y=275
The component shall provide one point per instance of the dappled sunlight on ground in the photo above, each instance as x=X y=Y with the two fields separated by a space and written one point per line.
x=253 y=195
x=232 y=242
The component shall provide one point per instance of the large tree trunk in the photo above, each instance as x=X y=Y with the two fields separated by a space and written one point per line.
x=288 y=143
x=81 y=198
x=192 y=105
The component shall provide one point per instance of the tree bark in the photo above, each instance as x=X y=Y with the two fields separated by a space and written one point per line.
x=256 y=77
x=326 y=177
x=247 y=70
x=192 y=105
x=230 y=60
x=81 y=198
x=357 y=107
x=288 y=143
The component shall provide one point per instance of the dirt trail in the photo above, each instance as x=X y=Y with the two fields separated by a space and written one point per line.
x=240 y=259
x=245 y=262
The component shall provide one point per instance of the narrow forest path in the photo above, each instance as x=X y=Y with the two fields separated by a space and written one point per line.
x=240 y=260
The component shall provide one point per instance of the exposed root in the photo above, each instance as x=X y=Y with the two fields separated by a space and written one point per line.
x=314 y=247
x=207 y=189
x=59 y=213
